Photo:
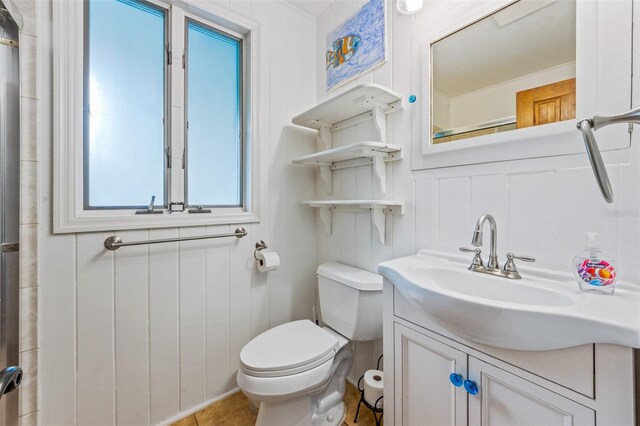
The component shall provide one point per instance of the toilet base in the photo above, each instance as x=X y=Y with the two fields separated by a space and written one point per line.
x=322 y=407
x=333 y=417
x=299 y=412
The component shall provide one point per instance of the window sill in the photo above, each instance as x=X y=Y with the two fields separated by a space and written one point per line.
x=96 y=221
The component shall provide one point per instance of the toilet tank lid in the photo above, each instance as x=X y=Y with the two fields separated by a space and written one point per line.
x=353 y=277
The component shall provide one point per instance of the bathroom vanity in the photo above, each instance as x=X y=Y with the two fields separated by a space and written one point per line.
x=439 y=369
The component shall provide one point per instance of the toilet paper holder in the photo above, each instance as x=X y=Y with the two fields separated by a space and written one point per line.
x=260 y=245
x=376 y=408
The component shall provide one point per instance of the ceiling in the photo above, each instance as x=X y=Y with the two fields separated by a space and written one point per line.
x=529 y=36
x=314 y=8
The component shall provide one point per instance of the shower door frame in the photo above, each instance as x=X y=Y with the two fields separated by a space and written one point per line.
x=9 y=220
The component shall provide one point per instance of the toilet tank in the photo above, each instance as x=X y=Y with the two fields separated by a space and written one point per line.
x=351 y=301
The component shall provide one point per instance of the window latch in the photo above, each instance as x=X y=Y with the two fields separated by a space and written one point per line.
x=176 y=207
x=151 y=208
x=199 y=209
x=168 y=154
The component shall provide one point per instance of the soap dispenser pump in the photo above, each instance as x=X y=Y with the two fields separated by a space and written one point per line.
x=596 y=272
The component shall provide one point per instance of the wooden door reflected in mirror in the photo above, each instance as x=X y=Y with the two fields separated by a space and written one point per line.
x=546 y=104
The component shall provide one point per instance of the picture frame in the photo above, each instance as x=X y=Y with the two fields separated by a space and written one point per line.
x=357 y=45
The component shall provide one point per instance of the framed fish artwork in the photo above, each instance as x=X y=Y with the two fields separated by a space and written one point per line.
x=357 y=45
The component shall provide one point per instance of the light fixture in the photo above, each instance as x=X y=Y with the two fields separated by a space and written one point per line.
x=409 y=6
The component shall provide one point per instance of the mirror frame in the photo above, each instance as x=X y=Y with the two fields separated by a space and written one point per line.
x=599 y=89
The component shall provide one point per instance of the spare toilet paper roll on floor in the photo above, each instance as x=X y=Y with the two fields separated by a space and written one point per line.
x=373 y=387
x=267 y=261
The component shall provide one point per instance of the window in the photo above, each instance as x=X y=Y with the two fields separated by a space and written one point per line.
x=154 y=100
x=124 y=104
x=214 y=93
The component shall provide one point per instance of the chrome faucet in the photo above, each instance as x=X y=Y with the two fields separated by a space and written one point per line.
x=477 y=239
x=493 y=267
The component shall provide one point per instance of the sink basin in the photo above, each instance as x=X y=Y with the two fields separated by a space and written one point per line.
x=541 y=311
x=460 y=281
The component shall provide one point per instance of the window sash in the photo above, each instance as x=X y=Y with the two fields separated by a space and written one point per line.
x=241 y=175
x=86 y=108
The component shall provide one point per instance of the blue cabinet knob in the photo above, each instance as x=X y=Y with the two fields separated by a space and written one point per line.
x=471 y=387
x=456 y=379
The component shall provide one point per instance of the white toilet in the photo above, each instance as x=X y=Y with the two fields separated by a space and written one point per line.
x=297 y=370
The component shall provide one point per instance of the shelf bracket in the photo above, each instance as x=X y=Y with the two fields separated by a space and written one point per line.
x=378 y=218
x=324 y=135
x=325 y=174
x=324 y=213
x=379 y=113
x=380 y=120
x=380 y=170
x=379 y=210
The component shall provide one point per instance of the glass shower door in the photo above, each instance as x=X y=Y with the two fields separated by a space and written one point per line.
x=10 y=373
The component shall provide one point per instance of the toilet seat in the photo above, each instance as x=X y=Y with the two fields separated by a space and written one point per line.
x=288 y=349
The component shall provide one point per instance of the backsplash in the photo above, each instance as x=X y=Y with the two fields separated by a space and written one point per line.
x=542 y=213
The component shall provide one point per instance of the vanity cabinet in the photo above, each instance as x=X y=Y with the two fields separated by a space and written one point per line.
x=582 y=385
x=425 y=394
x=506 y=399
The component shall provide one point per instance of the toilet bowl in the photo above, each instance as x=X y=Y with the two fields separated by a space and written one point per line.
x=297 y=371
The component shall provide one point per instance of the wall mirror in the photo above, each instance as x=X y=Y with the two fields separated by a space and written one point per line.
x=566 y=59
x=513 y=69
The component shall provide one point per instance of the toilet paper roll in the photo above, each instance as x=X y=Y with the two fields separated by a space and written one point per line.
x=267 y=261
x=373 y=387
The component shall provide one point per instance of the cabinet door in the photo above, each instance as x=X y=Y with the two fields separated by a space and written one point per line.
x=424 y=395
x=505 y=399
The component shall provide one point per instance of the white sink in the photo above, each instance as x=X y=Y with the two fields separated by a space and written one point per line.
x=541 y=311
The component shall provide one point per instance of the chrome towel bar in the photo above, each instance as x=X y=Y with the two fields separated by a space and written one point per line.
x=115 y=242
x=587 y=126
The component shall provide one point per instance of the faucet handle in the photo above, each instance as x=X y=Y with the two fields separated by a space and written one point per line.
x=511 y=256
x=477 y=259
x=469 y=250
x=510 y=265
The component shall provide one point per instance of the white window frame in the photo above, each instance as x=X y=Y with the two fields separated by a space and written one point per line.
x=69 y=214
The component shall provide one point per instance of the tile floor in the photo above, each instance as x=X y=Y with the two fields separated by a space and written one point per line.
x=234 y=411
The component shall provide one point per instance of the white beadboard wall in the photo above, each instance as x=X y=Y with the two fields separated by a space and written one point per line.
x=146 y=333
x=542 y=206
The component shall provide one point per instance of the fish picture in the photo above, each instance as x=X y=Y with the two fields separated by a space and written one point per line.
x=357 y=45
x=343 y=49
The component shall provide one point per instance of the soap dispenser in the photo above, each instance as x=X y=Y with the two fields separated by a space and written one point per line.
x=596 y=272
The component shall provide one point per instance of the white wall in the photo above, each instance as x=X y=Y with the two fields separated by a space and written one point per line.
x=441 y=110
x=353 y=240
x=542 y=206
x=145 y=333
